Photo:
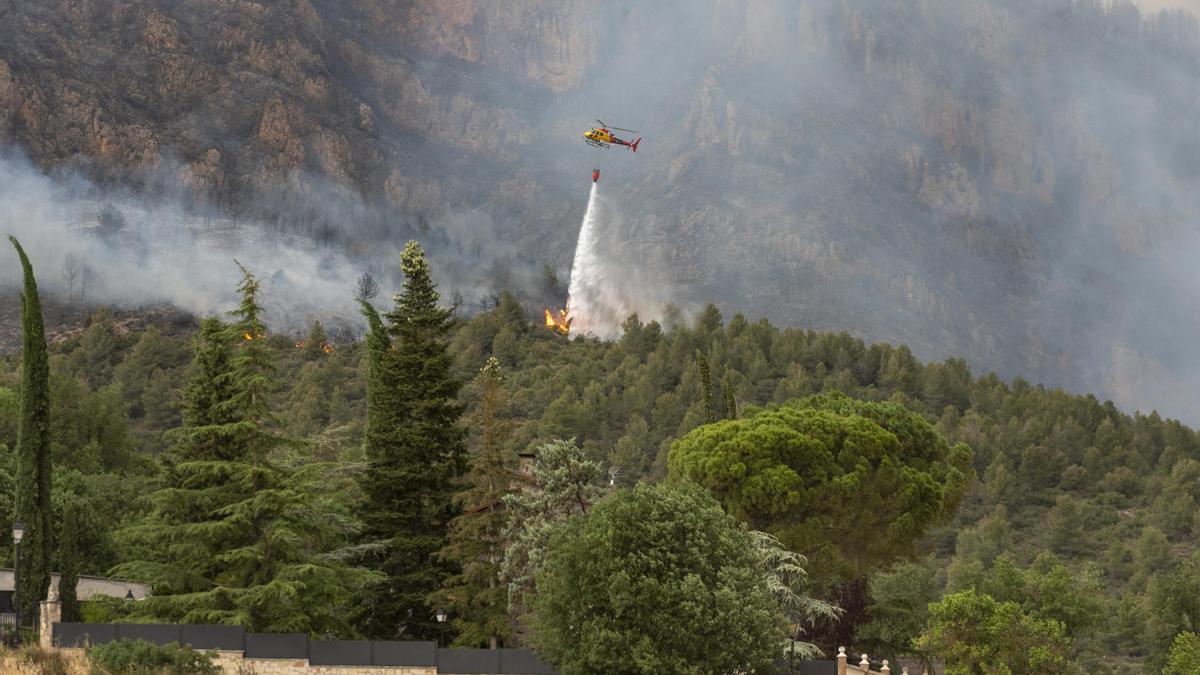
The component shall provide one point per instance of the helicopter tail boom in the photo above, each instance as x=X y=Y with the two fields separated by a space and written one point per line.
x=633 y=146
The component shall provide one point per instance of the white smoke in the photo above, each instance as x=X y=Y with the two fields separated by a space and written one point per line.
x=165 y=254
x=157 y=253
x=603 y=294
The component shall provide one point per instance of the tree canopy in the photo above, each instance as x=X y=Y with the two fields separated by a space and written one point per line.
x=233 y=537
x=851 y=484
x=656 y=579
x=978 y=635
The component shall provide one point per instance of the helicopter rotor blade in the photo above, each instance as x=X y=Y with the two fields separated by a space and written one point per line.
x=632 y=131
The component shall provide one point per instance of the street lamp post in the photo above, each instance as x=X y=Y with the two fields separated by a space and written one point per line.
x=441 y=619
x=18 y=533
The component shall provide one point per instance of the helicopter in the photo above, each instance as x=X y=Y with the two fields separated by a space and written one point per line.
x=602 y=137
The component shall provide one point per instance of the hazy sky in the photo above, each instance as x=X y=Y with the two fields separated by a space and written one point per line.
x=1193 y=5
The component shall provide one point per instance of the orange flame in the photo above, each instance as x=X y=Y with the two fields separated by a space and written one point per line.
x=326 y=347
x=247 y=335
x=299 y=344
x=559 y=322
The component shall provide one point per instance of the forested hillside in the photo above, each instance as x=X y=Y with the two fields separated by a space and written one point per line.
x=1074 y=502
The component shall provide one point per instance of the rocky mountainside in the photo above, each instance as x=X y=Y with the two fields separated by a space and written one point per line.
x=1009 y=181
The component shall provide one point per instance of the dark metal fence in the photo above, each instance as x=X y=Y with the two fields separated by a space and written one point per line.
x=337 y=652
x=8 y=627
x=318 y=652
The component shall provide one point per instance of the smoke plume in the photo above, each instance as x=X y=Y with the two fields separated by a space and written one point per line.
x=604 y=292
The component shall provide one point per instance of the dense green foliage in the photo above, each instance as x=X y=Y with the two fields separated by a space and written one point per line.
x=561 y=483
x=1184 y=658
x=813 y=470
x=415 y=451
x=977 y=635
x=138 y=657
x=656 y=579
x=32 y=490
x=1106 y=492
x=477 y=597
x=68 y=567
x=233 y=537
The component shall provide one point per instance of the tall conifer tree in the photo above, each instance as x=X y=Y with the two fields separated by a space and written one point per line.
x=415 y=449
x=232 y=538
x=476 y=597
x=33 y=450
x=710 y=411
x=731 y=412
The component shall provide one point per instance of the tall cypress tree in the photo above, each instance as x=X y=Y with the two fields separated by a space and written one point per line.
x=68 y=570
x=710 y=411
x=731 y=412
x=476 y=596
x=231 y=539
x=415 y=449
x=33 y=450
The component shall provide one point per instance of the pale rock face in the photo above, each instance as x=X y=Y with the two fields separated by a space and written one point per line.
x=7 y=93
x=204 y=176
x=905 y=171
x=160 y=33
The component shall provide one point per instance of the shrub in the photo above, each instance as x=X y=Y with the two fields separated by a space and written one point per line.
x=103 y=610
x=30 y=658
x=138 y=657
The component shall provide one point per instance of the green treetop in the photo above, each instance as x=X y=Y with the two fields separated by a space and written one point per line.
x=415 y=450
x=1184 y=657
x=976 y=635
x=476 y=597
x=706 y=388
x=851 y=484
x=562 y=483
x=656 y=579
x=233 y=538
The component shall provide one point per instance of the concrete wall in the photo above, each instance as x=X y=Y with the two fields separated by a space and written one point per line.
x=233 y=663
x=87 y=587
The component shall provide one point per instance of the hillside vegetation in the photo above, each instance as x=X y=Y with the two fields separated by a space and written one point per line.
x=1071 y=495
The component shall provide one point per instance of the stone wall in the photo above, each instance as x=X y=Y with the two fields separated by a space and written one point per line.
x=88 y=586
x=234 y=663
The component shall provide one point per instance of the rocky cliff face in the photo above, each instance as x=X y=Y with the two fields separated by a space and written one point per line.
x=1009 y=181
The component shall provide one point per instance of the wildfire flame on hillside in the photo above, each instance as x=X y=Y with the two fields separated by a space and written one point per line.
x=246 y=335
x=325 y=346
x=559 y=322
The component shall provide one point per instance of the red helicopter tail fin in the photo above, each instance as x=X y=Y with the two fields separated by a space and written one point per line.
x=634 y=146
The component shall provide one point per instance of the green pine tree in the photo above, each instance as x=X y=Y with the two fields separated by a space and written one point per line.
x=415 y=449
x=561 y=483
x=233 y=538
x=316 y=342
x=33 y=450
x=476 y=597
x=68 y=569
x=710 y=412
x=731 y=412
